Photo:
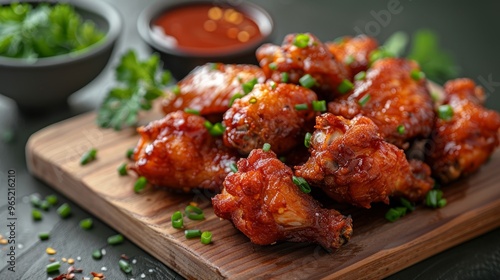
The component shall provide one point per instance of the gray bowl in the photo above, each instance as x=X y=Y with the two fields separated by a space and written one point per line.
x=48 y=82
x=179 y=62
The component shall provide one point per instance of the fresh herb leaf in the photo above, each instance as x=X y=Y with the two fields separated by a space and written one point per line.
x=396 y=44
x=140 y=82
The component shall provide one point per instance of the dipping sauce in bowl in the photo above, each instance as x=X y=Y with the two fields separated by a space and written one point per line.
x=187 y=34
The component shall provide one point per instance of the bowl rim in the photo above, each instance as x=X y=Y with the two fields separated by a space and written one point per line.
x=156 y=9
x=105 y=10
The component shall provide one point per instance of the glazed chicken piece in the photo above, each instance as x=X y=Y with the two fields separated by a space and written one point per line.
x=263 y=202
x=399 y=104
x=302 y=54
x=209 y=88
x=353 y=52
x=178 y=152
x=268 y=115
x=352 y=163
x=461 y=143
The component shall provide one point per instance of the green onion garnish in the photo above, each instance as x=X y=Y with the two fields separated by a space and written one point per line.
x=266 y=147
x=301 y=40
x=307 y=140
x=233 y=167
x=435 y=96
x=445 y=112
x=64 y=210
x=177 y=221
x=301 y=107
x=44 y=235
x=248 y=86
x=434 y=199
x=234 y=97
x=401 y=129
x=417 y=75
x=88 y=156
x=302 y=184
x=319 y=105
x=53 y=267
x=349 y=60
x=217 y=129
x=192 y=233
x=360 y=76
x=125 y=266
x=206 y=237
x=273 y=85
x=115 y=239
x=96 y=254
x=273 y=66
x=363 y=100
x=406 y=203
x=307 y=81
x=284 y=77
x=194 y=213
x=122 y=169
x=52 y=199
x=252 y=100
x=45 y=205
x=129 y=153
x=87 y=223
x=176 y=90
x=395 y=213
x=35 y=200
x=191 y=111
x=140 y=184
x=345 y=86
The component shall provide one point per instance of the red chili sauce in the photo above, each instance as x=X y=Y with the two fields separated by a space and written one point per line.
x=208 y=29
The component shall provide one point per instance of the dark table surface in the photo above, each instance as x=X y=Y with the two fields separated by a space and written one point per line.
x=468 y=30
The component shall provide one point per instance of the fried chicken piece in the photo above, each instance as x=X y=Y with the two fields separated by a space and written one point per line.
x=352 y=163
x=297 y=60
x=397 y=103
x=353 y=52
x=268 y=115
x=461 y=144
x=263 y=202
x=209 y=88
x=178 y=152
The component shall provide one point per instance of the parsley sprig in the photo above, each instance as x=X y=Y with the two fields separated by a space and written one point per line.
x=140 y=82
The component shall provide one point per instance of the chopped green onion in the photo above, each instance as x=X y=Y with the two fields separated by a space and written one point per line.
x=252 y=100
x=284 y=77
x=234 y=97
x=217 y=129
x=44 y=235
x=442 y=202
x=233 y=167
x=88 y=156
x=417 y=75
x=45 y=205
x=319 y=105
x=206 y=237
x=96 y=254
x=445 y=112
x=401 y=129
x=395 y=213
x=434 y=199
x=435 y=96
x=362 y=102
x=302 y=184
x=406 y=203
x=360 y=76
x=115 y=239
x=86 y=223
x=130 y=153
x=122 y=169
x=301 y=107
x=273 y=66
x=282 y=159
x=53 y=267
x=194 y=213
x=192 y=233
x=125 y=266
x=345 y=86
x=214 y=66
x=191 y=111
x=208 y=125
x=35 y=200
x=177 y=221
x=301 y=40
x=307 y=140
x=52 y=199
x=140 y=184
x=349 y=60
x=64 y=210
x=266 y=147
x=248 y=86
x=176 y=90
x=273 y=85
x=307 y=81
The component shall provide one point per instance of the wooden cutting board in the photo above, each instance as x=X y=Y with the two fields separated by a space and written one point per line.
x=377 y=249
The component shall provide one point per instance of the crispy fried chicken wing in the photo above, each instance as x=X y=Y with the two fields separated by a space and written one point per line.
x=268 y=115
x=352 y=163
x=178 y=152
x=209 y=88
x=461 y=144
x=353 y=52
x=295 y=61
x=398 y=104
x=263 y=202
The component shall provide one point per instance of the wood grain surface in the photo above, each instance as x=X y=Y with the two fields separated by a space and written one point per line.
x=377 y=249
